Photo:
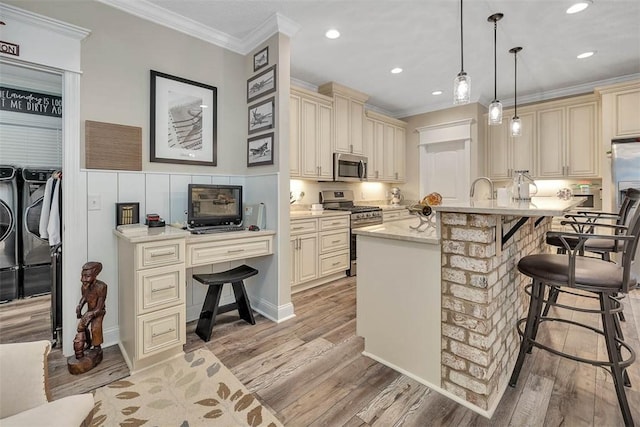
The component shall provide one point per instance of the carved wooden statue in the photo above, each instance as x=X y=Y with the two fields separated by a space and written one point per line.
x=88 y=340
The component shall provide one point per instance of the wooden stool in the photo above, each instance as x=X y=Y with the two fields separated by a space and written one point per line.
x=210 y=308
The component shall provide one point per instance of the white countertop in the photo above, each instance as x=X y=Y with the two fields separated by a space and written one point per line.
x=537 y=206
x=165 y=233
x=310 y=214
x=393 y=207
x=399 y=230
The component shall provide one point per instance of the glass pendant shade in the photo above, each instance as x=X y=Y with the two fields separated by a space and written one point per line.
x=495 y=113
x=516 y=126
x=461 y=88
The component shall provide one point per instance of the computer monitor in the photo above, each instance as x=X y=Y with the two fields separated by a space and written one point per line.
x=211 y=205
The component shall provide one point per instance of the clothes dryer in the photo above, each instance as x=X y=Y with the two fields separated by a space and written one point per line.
x=9 y=265
x=36 y=253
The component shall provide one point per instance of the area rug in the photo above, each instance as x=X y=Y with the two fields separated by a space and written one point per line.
x=193 y=390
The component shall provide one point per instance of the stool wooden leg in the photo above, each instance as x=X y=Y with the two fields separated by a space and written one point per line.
x=608 y=325
x=209 y=312
x=525 y=344
x=242 y=300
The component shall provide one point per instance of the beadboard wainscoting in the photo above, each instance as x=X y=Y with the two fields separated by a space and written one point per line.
x=165 y=194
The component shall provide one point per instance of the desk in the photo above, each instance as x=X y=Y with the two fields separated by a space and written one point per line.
x=152 y=284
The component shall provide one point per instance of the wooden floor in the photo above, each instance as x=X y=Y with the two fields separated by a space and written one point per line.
x=310 y=371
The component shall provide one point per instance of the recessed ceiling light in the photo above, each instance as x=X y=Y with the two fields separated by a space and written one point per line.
x=579 y=6
x=396 y=70
x=332 y=34
x=585 y=55
x=436 y=92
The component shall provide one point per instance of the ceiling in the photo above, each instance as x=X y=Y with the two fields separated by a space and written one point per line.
x=423 y=38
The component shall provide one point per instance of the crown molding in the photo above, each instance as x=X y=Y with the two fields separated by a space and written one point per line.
x=64 y=28
x=150 y=12
x=276 y=23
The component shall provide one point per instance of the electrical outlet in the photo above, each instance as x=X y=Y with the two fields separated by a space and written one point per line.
x=94 y=203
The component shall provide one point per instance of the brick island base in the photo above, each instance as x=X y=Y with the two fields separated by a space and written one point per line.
x=482 y=299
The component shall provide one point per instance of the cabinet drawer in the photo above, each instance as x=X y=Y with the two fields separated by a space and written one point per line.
x=331 y=241
x=304 y=226
x=160 y=287
x=214 y=252
x=161 y=330
x=156 y=254
x=333 y=223
x=334 y=263
x=395 y=215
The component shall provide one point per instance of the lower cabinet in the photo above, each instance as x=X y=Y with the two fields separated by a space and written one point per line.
x=319 y=250
x=151 y=301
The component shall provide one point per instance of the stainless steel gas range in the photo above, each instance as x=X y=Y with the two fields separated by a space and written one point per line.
x=361 y=216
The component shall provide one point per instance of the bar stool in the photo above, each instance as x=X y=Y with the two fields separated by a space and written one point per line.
x=586 y=222
x=600 y=278
x=210 y=308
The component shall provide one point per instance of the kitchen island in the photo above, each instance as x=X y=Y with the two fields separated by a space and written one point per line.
x=442 y=307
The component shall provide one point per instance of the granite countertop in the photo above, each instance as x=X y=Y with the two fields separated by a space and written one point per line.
x=537 y=206
x=399 y=230
x=309 y=214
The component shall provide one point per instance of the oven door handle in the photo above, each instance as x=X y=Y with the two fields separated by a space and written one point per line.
x=365 y=223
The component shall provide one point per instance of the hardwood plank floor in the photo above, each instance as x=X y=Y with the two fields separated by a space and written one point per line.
x=310 y=371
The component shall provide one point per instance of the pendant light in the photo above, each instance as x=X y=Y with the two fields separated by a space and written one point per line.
x=495 y=108
x=462 y=82
x=516 y=125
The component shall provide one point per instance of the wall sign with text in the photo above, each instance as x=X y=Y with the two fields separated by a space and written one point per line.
x=24 y=101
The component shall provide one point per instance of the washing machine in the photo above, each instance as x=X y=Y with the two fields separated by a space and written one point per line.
x=9 y=264
x=36 y=253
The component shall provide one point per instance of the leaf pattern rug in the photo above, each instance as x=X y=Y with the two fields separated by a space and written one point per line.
x=193 y=390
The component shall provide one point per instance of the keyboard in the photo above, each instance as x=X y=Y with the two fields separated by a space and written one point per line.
x=216 y=229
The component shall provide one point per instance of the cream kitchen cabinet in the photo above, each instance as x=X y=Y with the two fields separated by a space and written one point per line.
x=506 y=153
x=348 y=117
x=395 y=214
x=385 y=149
x=151 y=300
x=311 y=131
x=568 y=139
x=621 y=109
x=319 y=249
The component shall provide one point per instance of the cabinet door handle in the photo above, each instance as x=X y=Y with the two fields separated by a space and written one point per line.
x=351 y=148
x=162 y=289
x=335 y=241
x=336 y=223
x=235 y=251
x=164 y=253
x=297 y=228
x=163 y=333
x=335 y=263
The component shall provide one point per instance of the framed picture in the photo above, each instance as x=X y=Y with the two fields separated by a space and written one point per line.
x=261 y=59
x=262 y=115
x=261 y=84
x=260 y=150
x=183 y=121
x=127 y=213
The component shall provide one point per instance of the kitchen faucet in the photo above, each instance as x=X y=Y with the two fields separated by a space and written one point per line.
x=473 y=186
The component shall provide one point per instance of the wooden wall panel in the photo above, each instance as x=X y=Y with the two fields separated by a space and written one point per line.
x=113 y=147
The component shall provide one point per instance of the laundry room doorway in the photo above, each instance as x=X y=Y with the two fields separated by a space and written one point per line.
x=31 y=146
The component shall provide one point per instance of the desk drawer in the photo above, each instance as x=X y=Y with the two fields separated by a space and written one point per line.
x=161 y=330
x=334 y=263
x=335 y=222
x=214 y=252
x=331 y=241
x=160 y=288
x=156 y=254
x=304 y=226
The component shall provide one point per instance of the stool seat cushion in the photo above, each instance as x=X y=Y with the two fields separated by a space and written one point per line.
x=234 y=275
x=591 y=274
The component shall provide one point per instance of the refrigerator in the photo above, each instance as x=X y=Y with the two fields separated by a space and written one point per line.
x=625 y=165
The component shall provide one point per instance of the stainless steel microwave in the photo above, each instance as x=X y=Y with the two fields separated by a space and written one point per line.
x=347 y=167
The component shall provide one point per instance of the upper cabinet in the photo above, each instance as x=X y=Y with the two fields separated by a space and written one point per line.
x=348 y=117
x=559 y=140
x=311 y=133
x=621 y=109
x=507 y=153
x=385 y=140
